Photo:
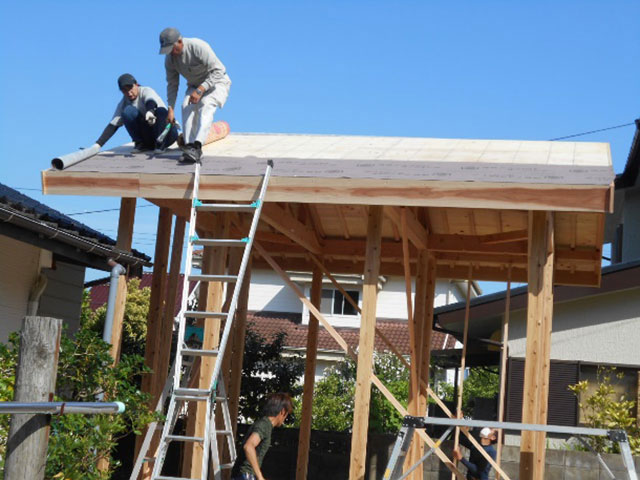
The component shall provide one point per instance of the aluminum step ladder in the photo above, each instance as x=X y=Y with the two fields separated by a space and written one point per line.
x=410 y=423
x=176 y=389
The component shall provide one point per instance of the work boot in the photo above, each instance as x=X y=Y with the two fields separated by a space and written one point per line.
x=140 y=147
x=190 y=153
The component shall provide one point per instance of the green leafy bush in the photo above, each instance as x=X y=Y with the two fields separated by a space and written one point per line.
x=604 y=408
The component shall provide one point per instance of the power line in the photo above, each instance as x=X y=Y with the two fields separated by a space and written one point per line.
x=592 y=131
x=105 y=210
x=27 y=188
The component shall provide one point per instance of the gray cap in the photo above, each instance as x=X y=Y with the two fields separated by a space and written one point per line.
x=168 y=37
x=126 y=79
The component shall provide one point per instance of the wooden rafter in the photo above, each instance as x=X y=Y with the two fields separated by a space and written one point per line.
x=416 y=233
x=284 y=223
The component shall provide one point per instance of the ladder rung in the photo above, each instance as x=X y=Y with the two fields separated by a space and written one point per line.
x=210 y=242
x=189 y=398
x=213 y=278
x=192 y=392
x=182 y=438
x=162 y=477
x=198 y=314
x=226 y=207
x=226 y=466
x=224 y=432
x=195 y=352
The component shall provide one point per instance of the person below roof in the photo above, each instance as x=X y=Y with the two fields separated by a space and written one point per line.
x=478 y=467
x=144 y=115
x=207 y=86
x=248 y=465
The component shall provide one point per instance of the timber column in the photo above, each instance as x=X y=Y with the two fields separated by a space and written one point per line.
x=537 y=361
x=365 y=352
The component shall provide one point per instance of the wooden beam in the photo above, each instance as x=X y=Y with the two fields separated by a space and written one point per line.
x=505 y=237
x=472 y=244
x=504 y=356
x=463 y=358
x=539 y=324
x=427 y=193
x=279 y=219
x=123 y=242
x=304 y=438
x=156 y=304
x=366 y=343
x=416 y=233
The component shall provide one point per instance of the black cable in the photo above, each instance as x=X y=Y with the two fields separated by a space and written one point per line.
x=592 y=131
x=105 y=210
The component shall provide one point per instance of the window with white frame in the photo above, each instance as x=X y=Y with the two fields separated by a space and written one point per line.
x=334 y=302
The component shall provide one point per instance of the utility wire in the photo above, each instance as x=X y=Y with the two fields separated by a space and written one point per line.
x=592 y=131
x=105 y=210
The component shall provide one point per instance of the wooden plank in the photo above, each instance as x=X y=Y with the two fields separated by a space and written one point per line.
x=156 y=304
x=35 y=381
x=537 y=363
x=123 y=242
x=348 y=350
x=365 y=346
x=278 y=218
x=463 y=358
x=416 y=233
x=304 y=438
x=505 y=237
x=509 y=196
x=504 y=356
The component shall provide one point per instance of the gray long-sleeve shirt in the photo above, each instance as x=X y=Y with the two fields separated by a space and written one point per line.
x=198 y=64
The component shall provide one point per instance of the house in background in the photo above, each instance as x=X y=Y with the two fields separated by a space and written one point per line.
x=274 y=308
x=592 y=327
x=43 y=258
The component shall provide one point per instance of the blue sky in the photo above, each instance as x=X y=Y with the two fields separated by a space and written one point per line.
x=490 y=69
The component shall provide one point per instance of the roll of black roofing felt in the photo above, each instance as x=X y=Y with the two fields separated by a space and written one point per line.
x=64 y=161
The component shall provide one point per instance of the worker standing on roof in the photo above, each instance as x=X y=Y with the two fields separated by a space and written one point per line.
x=144 y=115
x=207 y=86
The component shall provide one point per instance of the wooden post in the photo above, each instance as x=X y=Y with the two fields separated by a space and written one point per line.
x=463 y=360
x=365 y=354
x=415 y=339
x=304 y=437
x=214 y=263
x=537 y=363
x=504 y=355
x=35 y=382
x=156 y=305
x=123 y=242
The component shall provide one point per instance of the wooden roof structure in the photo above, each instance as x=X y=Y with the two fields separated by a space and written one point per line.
x=418 y=207
x=469 y=199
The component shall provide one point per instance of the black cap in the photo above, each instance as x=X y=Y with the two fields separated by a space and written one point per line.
x=126 y=79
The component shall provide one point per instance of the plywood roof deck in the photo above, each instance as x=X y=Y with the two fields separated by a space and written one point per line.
x=468 y=200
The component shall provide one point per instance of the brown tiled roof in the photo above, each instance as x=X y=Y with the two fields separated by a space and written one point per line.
x=99 y=290
x=268 y=324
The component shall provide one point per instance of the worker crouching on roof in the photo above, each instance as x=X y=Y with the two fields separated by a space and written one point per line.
x=478 y=467
x=207 y=86
x=144 y=115
x=258 y=439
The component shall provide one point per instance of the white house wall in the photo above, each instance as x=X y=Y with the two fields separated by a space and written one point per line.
x=268 y=293
x=19 y=267
x=599 y=329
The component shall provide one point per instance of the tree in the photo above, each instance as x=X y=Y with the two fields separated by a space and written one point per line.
x=604 y=408
x=134 y=325
x=333 y=399
x=266 y=370
x=481 y=382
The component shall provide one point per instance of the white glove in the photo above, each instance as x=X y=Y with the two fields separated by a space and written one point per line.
x=150 y=118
